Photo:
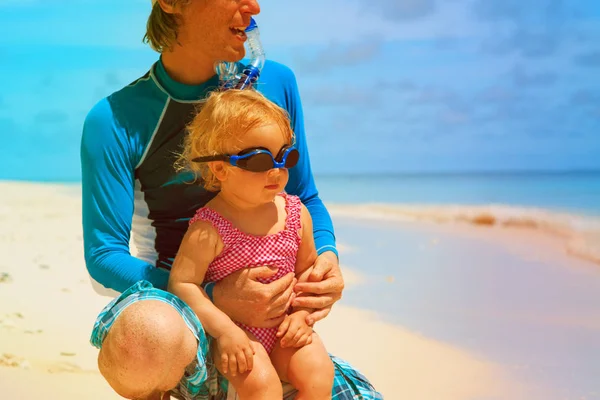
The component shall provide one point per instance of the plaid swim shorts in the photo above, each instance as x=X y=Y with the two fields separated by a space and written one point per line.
x=202 y=381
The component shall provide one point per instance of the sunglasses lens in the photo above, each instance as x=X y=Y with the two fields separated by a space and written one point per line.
x=292 y=158
x=260 y=162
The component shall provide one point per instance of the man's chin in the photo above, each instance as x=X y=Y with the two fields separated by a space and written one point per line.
x=234 y=55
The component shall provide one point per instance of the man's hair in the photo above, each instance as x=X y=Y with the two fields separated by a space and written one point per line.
x=162 y=28
x=225 y=116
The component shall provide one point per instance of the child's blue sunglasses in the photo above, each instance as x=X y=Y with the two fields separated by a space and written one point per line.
x=257 y=159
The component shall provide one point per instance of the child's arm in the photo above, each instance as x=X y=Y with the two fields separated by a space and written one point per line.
x=293 y=331
x=307 y=253
x=200 y=245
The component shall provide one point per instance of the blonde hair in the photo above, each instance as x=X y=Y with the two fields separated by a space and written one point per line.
x=225 y=116
x=162 y=27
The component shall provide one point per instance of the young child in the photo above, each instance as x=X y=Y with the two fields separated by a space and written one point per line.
x=241 y=144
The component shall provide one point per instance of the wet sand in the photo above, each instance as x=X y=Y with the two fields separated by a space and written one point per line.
x=507 y=295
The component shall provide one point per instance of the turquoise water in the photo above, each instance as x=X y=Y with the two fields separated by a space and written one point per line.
x=574 y=192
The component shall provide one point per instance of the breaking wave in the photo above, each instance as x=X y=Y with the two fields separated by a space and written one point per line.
x=581 y=233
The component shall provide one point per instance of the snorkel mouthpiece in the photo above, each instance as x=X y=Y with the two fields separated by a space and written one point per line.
x=228 y=71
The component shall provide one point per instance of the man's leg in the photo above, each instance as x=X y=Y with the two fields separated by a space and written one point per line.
x=349 y=383
x=146 y=350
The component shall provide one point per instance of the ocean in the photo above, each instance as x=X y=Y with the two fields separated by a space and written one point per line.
x=566 y=204
x=576 y=192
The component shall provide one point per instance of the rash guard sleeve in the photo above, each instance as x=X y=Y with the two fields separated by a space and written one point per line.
x=301 y=182
x=108 y=159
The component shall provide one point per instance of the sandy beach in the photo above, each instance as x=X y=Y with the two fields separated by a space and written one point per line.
x=390 y=325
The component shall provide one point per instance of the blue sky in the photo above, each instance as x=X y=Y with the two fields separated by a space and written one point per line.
x=387 y=85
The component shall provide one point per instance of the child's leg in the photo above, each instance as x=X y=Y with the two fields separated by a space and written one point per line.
x=261 y=382
x=309 y=369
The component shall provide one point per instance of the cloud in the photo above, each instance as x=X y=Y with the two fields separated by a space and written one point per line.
x=403 y=87
x=585 y=98
x=426 y=105
x=529 y=44
x=287 y=24
x=454 y=117
x=341 y=96
x=521 y=78
x=533 y=28
x=338 y=55
x=590 y=59
x=401 y=10
x=406 y=86
x=504 y=105
x=496 y=94
x=434 y=96
x=517 y=10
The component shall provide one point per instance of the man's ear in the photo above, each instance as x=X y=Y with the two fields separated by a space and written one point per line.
x=167 y=6
x=219 y=169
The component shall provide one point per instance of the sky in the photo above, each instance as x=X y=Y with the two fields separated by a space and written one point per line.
x=388 y=86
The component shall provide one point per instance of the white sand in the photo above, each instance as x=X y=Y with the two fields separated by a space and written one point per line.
x=47 y=308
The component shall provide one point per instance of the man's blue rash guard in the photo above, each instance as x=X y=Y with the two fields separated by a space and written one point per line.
x=130 y=188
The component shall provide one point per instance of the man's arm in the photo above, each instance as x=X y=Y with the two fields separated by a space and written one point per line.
x=325 y=281
x=108 y=165
x=301 y=182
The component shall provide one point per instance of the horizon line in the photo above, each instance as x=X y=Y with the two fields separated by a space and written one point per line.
x=466 y=172
x=415 y=174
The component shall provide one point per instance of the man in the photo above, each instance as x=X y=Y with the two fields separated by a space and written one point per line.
x=130 y=142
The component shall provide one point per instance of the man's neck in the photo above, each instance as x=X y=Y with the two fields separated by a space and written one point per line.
x=187 y=69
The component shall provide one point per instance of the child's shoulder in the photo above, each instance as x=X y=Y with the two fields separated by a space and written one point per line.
x=202 y=232
x=211 y=220
x=204 y=214
x=293 y=203
x=290 y=199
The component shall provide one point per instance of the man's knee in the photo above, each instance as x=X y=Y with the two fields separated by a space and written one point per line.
x=141 y=345
x=144 y=329
x=148 y=318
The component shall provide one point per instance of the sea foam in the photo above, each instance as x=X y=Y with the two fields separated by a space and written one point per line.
x=581 y=233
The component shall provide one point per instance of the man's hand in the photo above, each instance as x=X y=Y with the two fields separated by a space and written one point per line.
x=244 y=299
x=323 y=289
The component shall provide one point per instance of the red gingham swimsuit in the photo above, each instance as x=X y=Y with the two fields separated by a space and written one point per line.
x=242 y=250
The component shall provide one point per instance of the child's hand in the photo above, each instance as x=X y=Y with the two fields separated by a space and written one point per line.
x=294 y=332
x=235 y=351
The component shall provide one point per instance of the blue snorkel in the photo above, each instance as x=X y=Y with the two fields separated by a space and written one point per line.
x=229 y=77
